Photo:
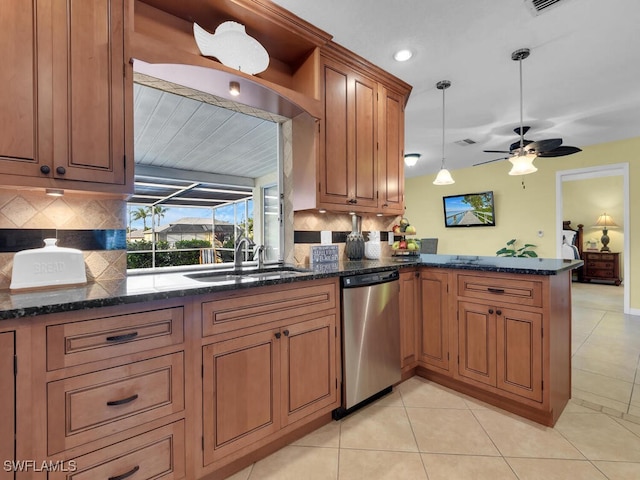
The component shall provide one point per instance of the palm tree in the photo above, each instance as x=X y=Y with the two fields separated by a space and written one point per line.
x=142 y=213
x=158 y=212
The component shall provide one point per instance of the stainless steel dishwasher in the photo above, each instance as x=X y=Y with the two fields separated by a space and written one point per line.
x=370 y=338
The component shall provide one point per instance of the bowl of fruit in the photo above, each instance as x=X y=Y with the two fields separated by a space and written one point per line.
x=402 y=244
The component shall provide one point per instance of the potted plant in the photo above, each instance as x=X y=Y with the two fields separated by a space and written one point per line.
x=511 y=251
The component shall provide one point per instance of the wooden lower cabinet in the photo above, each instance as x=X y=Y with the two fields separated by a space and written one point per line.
x=434 y=319
x=7 y=402
x=409 y=310
x=501 y=347
x=508 y=335
x=255 y=385
x=158 y=454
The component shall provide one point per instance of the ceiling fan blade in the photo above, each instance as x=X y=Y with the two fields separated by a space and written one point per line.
x=560 y=152
x=525 y=129
x=547 y=145
x=490 y=161
x=496 y=151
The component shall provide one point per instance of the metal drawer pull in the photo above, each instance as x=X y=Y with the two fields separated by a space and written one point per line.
x=120 y=338
x=125 y=475
x=495 y=290
x=114 y=403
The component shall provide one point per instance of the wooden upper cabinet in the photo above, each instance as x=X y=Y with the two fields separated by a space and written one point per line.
x=19 y=96
x=348 y=150
x=62 y=103
x=360 y=140
x=391 y=152
x=88 y=90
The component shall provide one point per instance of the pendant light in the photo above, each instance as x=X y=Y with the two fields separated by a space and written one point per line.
x=522 y=160
x=443 y=177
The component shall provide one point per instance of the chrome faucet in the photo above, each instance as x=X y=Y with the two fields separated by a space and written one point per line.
x=241 y=240
x=258 y=252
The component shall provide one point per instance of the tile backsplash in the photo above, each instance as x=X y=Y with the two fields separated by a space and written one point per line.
x=336 y=222
x=25 y=209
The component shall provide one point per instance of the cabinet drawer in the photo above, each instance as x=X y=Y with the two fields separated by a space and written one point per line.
x=158 y=454
x=283 y=302
x=601 y=273
x=87 y=407
x=501 y=290
x=602 y=257
x=76 y=343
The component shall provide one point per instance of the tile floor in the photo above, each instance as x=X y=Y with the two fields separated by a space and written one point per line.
x=606 y=349
x=424 y=431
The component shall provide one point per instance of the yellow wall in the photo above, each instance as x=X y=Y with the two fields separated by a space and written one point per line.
x=583 y=201
x=522 y=212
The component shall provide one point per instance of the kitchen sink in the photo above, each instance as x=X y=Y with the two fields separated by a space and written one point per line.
x=247 y=274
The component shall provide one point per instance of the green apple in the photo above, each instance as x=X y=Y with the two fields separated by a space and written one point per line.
x=412 y=246
x=396 y=245
x=410 y=230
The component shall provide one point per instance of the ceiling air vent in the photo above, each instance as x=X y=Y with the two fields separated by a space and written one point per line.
x=539 y=6
x=464 y=142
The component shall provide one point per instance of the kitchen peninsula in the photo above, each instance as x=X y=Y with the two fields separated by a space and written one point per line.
x=166 y=352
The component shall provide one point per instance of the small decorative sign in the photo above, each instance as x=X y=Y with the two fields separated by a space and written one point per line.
x=323 y=254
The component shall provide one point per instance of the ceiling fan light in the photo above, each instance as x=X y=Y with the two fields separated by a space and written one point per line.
x=523 y=164
x=410 y=159
x=444 y=178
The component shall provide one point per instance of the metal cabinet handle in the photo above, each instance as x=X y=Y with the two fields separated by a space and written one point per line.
x=495 y=290
x=286 y=333
x=491 y=311
x=498 y=312
x=120 y=338
x=61 y=170
x=278 y=334
x=114 y=403
x=125 y=475
x=45 y=169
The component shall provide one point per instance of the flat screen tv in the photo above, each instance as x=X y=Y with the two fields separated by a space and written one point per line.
x=469 y=210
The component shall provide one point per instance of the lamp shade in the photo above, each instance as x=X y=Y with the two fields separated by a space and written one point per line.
x=605 y=220
x=522 y=164
x=443 y=178
x=410 y=159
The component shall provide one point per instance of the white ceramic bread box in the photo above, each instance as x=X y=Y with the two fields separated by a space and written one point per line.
x=49 y=266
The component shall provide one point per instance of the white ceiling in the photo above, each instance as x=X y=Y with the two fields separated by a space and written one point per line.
x=581 y=82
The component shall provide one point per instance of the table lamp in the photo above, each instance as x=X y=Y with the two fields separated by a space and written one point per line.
x=605 y=221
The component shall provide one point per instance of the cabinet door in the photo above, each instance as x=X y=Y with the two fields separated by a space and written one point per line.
x=519 y=349
x=477 y=342
x=391 y=152
x=88 y=90
x=20 y=99
x=409 y=309
x=241 y=393
x=348 y=148
x=308 y=360
x=7 y=402
x=365 y=153
x=434 y=338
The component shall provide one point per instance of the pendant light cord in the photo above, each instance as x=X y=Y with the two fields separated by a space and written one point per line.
x=442 y=165
x=521 y=103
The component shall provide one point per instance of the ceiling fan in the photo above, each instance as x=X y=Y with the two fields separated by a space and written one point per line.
x=523 y=152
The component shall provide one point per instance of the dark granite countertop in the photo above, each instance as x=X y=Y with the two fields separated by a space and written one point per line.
x=157 y=286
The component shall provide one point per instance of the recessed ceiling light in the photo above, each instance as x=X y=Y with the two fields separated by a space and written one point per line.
x=403 y=55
